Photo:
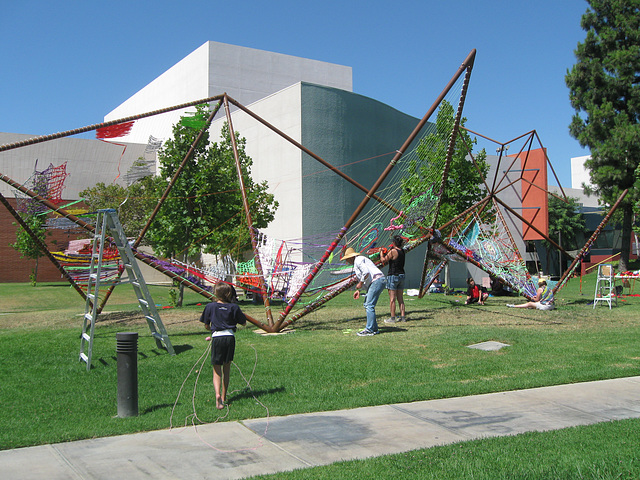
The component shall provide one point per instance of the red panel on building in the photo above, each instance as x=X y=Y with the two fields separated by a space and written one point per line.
x=535 y=201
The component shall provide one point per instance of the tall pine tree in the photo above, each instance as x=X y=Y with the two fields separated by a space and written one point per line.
x=604 y=89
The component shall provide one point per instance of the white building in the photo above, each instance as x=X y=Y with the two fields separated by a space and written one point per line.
x=579 y=174
x=245 y=74
x=310 y=101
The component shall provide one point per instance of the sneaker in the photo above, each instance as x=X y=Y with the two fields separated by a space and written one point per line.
x=390 y=320
x=366 y=333
x=510 y=305
x=403 y=319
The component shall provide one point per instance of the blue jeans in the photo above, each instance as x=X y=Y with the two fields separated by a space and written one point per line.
x=395 y=282
x=375 y=289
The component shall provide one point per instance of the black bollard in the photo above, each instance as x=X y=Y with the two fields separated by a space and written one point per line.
x=127 y=350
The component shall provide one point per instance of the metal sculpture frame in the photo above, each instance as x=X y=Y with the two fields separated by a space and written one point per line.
x=276 y=325
x=271 y=325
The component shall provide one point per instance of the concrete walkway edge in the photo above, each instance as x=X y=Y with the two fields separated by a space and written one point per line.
x=260 y=446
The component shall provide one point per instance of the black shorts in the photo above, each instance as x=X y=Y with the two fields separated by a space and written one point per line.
x=222 y=349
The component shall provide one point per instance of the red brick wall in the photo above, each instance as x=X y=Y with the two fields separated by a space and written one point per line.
x=16 y=269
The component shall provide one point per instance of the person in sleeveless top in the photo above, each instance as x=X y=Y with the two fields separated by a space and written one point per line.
x=543 y=299
x=395 y=279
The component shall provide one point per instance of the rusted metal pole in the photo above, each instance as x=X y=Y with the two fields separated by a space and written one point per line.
x=471 y=260
x=475 y=164
x=537 y=230
x=95 y=126
x=515 y=157
x=425 y=287
x=453 y=137
x=245 y=203
x=550 y=164
x=587 y=245
x=496 y=141
x=47 y=203
x=467 y=62
x=317 y=303
x=312 y=154
x=321 y=301
x=177 y=173
x=163 y=198
x=91 y=229
x=450 y=150
x=42 y=246
x=450 y=222
x=466 y=212
x=499 y=213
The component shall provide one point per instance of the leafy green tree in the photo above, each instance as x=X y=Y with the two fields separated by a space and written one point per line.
x=134 y=203
x=566 y=225
x=605 y=92
x=26 y=245
x=464 y=185
x=636 y=208
x=204 y=211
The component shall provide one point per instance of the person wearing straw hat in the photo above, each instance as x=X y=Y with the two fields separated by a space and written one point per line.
x=370 y=276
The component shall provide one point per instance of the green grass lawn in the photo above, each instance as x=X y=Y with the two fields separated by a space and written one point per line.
x=48 y=396
x=603 y=451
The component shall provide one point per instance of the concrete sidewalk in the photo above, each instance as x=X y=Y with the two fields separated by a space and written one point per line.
x=251 y=447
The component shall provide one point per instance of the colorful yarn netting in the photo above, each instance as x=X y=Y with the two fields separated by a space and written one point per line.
x=47 y=183
x=484 y=239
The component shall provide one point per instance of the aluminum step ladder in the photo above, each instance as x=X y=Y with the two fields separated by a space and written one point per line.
x=107 y=221
x=605 y=286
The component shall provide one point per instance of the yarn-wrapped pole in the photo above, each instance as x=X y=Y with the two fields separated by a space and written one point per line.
x=467 y=63
x=95 y=126
x=140 y=256
x=247 y=212
x=164 y=196
x=587 y=246
x=334 y=293
x=449 y=155
x=425 y=267
x=42 y=245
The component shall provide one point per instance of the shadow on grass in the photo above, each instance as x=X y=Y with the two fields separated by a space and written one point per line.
x=153 y=408
x=179 y=349
x=143 y=356
x=580 y=301
x=388 y=329
x=359 y=322
x=532 y=319
x=204 y=333
x=247 y=393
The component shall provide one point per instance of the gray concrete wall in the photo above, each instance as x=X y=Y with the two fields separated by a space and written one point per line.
x=246 y=74
x=88 y=161
x=344 y=129
x=275 y=160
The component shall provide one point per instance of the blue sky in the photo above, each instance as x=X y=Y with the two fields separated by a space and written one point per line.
x=66 y=64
